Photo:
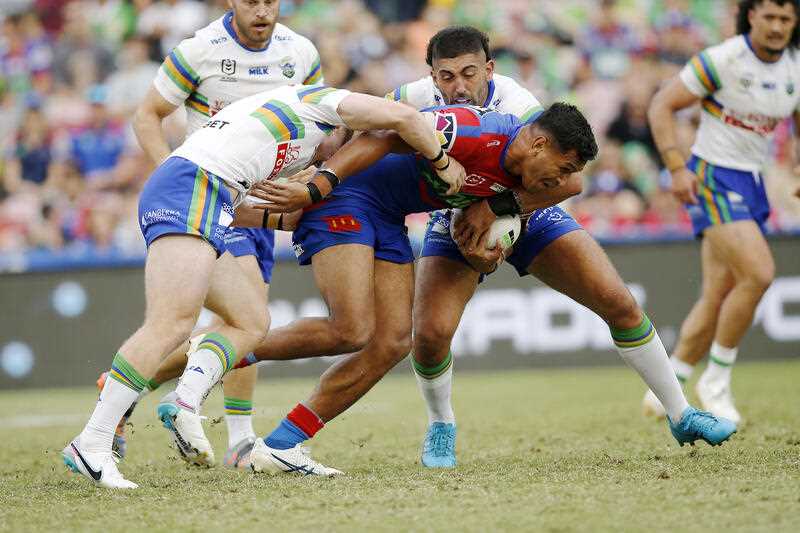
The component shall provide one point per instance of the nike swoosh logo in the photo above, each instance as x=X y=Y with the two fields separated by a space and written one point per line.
x=96 y=474
x=306 y=470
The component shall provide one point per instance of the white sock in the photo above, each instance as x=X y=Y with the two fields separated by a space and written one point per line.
x=683 y=370
x=240 y=427
x=651 y=362
x=203 y=370
x=437 y=393
x=720 y=363
x=114 y=400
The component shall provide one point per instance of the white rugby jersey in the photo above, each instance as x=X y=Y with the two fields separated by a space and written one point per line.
x=744 y=99
x=505 y=95
x=212 y=69
x=268 y=135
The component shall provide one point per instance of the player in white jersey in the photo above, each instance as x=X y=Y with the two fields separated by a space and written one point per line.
x=746 y=85
x=185 y=210
x=240 y=54
x=554 y=248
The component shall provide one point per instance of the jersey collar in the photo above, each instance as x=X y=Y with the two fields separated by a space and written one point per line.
x=750 y=46
x=227 y=21
x=490 y=94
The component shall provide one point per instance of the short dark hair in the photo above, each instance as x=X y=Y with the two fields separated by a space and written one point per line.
x=743 y=23
x=454 y=41
x=570 y=130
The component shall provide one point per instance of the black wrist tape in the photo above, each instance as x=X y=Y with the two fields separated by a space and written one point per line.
x=504 y=204
x=313 y=190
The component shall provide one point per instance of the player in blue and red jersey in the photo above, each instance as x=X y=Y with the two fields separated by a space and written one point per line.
x=356 y=243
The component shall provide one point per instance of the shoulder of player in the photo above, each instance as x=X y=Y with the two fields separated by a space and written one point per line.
x=284 y=34
x=728 y=51
x=420 y=93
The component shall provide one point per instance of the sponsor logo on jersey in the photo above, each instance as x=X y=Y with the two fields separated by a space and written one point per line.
x=287 y=66
x=216 y=106
x=790 y=88
x=474 y=180
x=262 y=70
x=446 y=129
x=277 y=37
x=342 y=223
x=281 y=158
x=228 y=66
x=496 y=187
x=492 y=143
x=746 y=81
x=769 y=85
x=219 y=40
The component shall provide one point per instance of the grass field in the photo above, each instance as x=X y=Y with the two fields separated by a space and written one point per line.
x=545 y=450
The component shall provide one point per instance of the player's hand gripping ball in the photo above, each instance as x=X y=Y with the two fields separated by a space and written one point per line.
x=504 y=231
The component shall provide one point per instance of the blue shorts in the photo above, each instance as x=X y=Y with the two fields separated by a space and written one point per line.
x=182 y=198
x=543 y=227
x=726 y=195
x=335 y=222
x=259 y=242
x=369 y=208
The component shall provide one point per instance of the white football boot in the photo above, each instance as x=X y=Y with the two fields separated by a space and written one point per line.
x=100 y=468
x=717 y=399
x=187 y=431
x=651 y=406
x=295 y=460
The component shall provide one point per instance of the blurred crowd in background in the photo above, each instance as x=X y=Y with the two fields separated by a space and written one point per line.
x=73 y=71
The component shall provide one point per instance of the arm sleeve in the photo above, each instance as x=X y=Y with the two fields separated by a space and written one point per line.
x=418 y=94
x=700 y=74
x=177 y=77
x=322 y=104
x=311 y=58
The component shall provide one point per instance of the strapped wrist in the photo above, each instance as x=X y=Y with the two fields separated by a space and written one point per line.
x=314 y=192
x=438 y=156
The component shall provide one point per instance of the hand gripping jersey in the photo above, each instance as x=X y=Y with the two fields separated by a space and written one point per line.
x=268 y=135
x=744 y=99
x=213 y=68
x=505 y=95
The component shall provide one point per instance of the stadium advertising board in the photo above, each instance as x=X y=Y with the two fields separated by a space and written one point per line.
x=61 y=329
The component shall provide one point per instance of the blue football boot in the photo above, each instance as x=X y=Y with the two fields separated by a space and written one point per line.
x=696 y=425
x=439 y=448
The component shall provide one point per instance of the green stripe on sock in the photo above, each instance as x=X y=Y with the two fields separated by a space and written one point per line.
x=435 y=371
x=212 y=341
x=719 y=362
x=123 y=371
x=153 y=384
x=631 y=338
x=633 y=333
x=235 y=406
x=681 y=379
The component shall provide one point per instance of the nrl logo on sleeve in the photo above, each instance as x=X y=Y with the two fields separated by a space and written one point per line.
x=228 y=66
x=287 y=66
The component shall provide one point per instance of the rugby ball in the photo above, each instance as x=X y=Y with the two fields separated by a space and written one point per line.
x=504 y=230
